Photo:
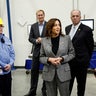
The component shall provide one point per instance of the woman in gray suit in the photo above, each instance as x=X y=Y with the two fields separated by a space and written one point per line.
x=56 y=51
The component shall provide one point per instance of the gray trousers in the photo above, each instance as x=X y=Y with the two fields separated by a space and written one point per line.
x=55 y=85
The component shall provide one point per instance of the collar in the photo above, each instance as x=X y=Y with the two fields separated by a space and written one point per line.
x=1 y=35
x=41 y=23
x=76 y=26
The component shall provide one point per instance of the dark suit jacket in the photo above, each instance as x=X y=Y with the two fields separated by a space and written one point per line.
x=83 y=44
x=34 y=34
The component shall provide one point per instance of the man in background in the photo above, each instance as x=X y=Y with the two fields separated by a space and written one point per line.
x=82 y=39
x=37 y=32
x=7 y=57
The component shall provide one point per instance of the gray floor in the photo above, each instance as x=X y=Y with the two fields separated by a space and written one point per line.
x=21 y=84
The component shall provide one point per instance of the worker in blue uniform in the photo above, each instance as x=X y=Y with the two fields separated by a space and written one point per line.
x=7 y=57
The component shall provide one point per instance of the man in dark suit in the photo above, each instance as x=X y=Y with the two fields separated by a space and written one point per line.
x=37 y=32
x=82 y=39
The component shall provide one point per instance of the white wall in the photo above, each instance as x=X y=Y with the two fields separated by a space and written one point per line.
x=87 y=8
x=26 y=9
x=3 y=15
x=23 y=14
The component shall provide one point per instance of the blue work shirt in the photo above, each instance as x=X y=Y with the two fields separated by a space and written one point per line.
x=7 y=54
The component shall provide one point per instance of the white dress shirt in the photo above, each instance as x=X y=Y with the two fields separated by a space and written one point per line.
x=41 y=28
x=73 y=30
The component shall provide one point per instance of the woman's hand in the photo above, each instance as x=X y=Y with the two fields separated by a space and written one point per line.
x=55 y=61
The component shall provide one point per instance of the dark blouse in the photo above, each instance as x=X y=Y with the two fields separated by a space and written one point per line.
x=55 y=44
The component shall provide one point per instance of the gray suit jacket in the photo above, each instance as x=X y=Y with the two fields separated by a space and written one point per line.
x=65 y=50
